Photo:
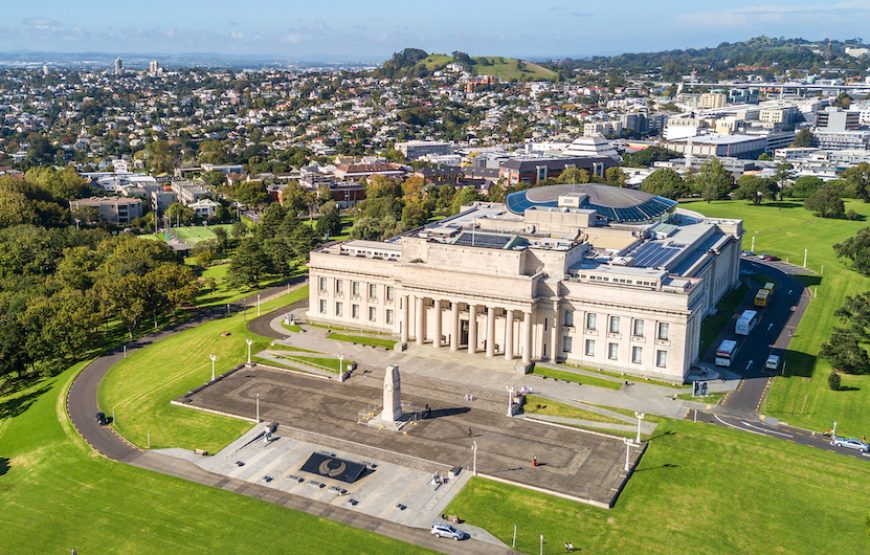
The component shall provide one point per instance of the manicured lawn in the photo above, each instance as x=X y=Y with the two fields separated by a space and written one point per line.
x=346 y=224
x=624 y=377
x=57 y=495
x=324 y=363
x=711 y=399
x=140 y=388
x=712 y=325
x=802 y=396
x=364 y=340
x=293 y=328
x=193 y=234
x=574 y=377
x=224 y=292
x=547 y=407
x=699 y=489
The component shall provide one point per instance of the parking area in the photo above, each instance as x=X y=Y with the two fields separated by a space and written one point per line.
x=572 y=462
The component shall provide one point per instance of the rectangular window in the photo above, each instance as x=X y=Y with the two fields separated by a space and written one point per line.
x=614 y=324
x=338 y=286
x=569 y=318
x=661 y=359
x=373 y=292
x=389 y=293
x=566 y=344
x=591 y=321
x=323 y=306
x=590 y=347
x=323 y=284
x=354 y=288
x=354 y=311
x=663 y=330
x=636 y=355
x=545 y=324
x=389 y=316
x=338 y=310
x=373 y=314
x=613 y=351
x=638 y=328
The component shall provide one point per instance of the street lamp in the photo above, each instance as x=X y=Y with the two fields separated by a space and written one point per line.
x=258 y=408
x=474 y=458
x=258 y=304
x=250 y=342
x=640 y=417
x=510 y=390
x=341 y=367
x=628 y=444
x=213 y=358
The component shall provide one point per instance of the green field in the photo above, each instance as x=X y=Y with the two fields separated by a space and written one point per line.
x=140 y=387
x=785 y=229
x=57 y=494
x=224 y=292
x=364 y=340
x=699 y=489
x=574 y=377
x=193 y=234
x=496 y=66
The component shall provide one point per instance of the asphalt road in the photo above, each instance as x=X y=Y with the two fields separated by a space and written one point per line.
x=82 y=409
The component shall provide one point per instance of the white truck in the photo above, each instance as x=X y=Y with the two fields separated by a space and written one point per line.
x=747 y=321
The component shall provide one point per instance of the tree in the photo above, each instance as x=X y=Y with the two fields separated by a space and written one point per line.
x=754 y=188
x=63 y=184
x=858 y=177
x=856 y=249
x=249 y=263
x=615 y=176
x=713 y=181
x=40 y=151
x=805 y=186
x=466 y=195
x=843 y=100
x=251 y=193
x=179 y=214
x=784 y=173
x=160 y=156
x=648 y=156
x=845 y=352
x=826 y=202
x=573 y=174
x=665 y=182
x=803 y=138
x=764 y=157
x=329 y=224
x=834 y=380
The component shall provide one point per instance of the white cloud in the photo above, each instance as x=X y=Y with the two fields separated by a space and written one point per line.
x=767 y=14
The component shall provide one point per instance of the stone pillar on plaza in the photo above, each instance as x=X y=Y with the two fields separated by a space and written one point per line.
x=490 y=331
x=406 y=323
x=527 y=337
x=392 y=395
x=509 y=335
x=454 y=334
x=436 y=331
x=554 y=331
x=421 y=322
x=472 y=328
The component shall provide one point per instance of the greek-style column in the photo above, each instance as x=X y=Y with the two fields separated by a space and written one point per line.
x=509 y=335
x=406 y=319
x=436 y=332
x=454 y=317
x=472 y=328
x=490 y=331
x=421 y=322
x=527 y=337
x=555 y=331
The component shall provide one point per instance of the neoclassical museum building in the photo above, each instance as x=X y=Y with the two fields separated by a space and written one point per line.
x=591 y=274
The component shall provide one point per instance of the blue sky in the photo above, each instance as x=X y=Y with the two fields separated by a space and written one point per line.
x=355 y=30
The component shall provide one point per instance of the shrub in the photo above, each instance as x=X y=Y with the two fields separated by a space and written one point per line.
x=834 y=380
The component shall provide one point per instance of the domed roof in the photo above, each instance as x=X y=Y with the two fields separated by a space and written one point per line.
x=613 y=203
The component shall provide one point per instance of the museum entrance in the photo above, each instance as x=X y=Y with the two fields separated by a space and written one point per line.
x=463 y=333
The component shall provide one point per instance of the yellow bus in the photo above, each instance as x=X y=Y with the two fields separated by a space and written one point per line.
x=761 y=297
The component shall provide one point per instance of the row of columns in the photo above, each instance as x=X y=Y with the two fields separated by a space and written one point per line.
x=420 y=322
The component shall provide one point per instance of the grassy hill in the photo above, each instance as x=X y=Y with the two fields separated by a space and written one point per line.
x=509 y=69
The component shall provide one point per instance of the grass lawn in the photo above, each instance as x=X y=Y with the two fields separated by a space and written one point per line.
x=58 y=494
x=324 y=363
x=293 y=328
x=699 y=489
x=346 y=224
x=802 y=396
x=712 y=325
x=711 y=399
x=364 y=340
x=224 y=292
x=574 y=377
x=547 y=407
x=193 y=234
x=624 y=377
x=139 y=388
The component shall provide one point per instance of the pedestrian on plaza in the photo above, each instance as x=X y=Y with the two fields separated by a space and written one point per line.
x=469 y=432
x=534 y=461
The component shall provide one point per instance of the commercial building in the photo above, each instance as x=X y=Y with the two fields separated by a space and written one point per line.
x=835 y=119
x=535 y=170
x=113 y=210
x=737 y=145
x=712 y=100
x=596 y=275
x=415 y=149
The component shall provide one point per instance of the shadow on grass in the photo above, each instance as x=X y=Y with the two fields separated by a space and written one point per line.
x=4 y=465
x=666 y=465
x=849 y=388
x=15 y=406
x=662 y=435
x=782 y=204
x=809 y=280
x=799 y=365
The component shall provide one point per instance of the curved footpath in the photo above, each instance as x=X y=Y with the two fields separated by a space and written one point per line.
x=82 y=408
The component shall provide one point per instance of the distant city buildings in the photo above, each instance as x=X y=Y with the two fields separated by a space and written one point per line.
x=113 y=210
x=118 y=68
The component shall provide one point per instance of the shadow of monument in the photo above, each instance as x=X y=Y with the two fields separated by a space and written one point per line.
x=442 y=413
x=4 y=465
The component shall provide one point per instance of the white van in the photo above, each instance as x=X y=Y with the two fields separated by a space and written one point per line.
x=772 y=362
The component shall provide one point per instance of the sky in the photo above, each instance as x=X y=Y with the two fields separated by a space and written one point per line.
x=347 y=30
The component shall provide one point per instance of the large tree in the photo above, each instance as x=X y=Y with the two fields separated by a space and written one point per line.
x=667 y=183
x=846 y=349
x=826 y=202
x=805 y=186
x=858 y=177
x=755 y=188
x=713 y=181
x=856 y=249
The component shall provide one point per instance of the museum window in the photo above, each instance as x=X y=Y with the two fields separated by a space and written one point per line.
x=338 y=310
x=613 y=351
x=569 y=318
x=661 y=359
x=662 y=331
x=354 y=311
x=591 y=321
x=373 y=314
x=566 y=344
x=636 y=355
x=389 y=316
x=354 y=288
x=545 y=324
x=323 y=306
x=638 y=328
x=590 y=347
x=389 y=293
x=338 y=286
x=373 y=292
x=614 y=324
x=323 y=285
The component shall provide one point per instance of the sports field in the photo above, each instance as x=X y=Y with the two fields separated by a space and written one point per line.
x=193 y=234
x=785 y=229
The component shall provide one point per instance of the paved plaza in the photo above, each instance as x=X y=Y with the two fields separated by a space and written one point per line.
x=575 y=463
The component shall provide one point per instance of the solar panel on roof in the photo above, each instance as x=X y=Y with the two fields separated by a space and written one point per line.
x=486 y=240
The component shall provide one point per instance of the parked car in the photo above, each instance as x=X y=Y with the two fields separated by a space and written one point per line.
x=101 y=419
x=768 y=257
x=851 y=443
x=772 y=362
x=444 y=530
